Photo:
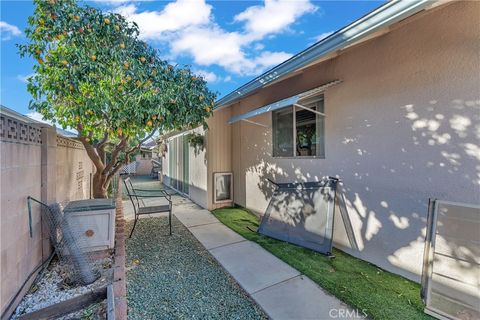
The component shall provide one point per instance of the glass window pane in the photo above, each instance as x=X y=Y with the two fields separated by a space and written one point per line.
x=320 y=130
x=310 y=129
x=283 y=132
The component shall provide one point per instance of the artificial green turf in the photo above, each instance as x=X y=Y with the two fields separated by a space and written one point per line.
x=362 y=285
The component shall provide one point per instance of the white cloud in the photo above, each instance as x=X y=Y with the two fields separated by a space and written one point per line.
x=212 y=45
x=8 y=31
x=273 y=17
x=268 y=59
x=175 y=16
x=23 y=78
x=38 y=117
x=189 y=29
x=111 y=2
x=259 y=46
x=211 y=76
x=322 y=36
x=207 y=75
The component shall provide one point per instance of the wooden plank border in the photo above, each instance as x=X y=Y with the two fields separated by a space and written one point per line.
x=67 y=306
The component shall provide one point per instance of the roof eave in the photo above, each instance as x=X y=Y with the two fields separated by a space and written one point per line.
x=386 y=15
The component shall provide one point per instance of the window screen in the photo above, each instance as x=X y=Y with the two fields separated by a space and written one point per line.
x=299 y=134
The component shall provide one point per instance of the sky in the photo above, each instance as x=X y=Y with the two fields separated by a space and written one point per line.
x=226 y=42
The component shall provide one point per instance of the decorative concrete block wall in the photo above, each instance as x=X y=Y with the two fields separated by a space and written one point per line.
x=74 y=170
x=20 y=152
x=34 y=162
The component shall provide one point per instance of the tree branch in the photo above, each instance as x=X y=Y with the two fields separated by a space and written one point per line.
x=103 y=141
x=112 y=174
x=120 y=146
x=100 y=146
x=142 y=141
x=91 y=152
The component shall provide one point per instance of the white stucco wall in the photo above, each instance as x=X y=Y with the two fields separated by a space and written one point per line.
x=197 y=167
x=198 y=174
x=403 y=127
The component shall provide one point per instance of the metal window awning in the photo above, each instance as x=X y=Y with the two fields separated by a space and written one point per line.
x=294 y=100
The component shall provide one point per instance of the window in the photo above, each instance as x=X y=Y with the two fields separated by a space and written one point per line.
x=299 y=131
x=223 y=187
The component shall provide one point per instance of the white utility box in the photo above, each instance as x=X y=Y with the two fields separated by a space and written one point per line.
x=94 y=221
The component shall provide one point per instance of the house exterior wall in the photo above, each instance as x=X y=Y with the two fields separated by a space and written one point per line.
x=219 y=151
x=197 y=169
x=216 y=157
x=198 y=174
x=401 y=128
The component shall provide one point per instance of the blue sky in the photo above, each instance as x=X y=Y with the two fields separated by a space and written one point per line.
x=228 y=42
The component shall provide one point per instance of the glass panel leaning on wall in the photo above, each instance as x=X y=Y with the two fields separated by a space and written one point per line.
x=304 y=129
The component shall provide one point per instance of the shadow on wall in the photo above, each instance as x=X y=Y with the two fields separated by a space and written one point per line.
x=387 y=185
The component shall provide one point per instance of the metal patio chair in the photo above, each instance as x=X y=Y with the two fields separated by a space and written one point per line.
x=156 y=169
x=139 y=207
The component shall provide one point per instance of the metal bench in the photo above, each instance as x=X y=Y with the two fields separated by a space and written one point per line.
x=139 y=207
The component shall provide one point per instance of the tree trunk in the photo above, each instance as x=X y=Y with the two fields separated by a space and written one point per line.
x=100 y=189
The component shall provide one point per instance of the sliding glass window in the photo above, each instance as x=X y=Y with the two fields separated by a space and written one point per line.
x=299 y=130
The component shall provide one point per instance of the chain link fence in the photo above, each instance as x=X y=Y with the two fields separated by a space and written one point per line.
x=68 y=243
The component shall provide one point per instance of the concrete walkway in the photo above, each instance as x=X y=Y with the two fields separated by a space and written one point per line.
x=279 y=289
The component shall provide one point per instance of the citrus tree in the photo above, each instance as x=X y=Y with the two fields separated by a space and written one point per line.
x=94 y=74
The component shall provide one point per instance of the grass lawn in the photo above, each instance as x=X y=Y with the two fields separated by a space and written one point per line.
x=362 y=285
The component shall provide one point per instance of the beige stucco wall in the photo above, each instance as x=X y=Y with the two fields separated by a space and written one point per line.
x=219 y=151
x=216 y=157
x=198 y=174
x=73 y=172
x=197 y=168
x=402 y=127
x=34 y=162
x=144 y=166
x=20 y=177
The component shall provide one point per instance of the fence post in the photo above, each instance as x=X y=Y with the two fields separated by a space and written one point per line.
x=48 y=176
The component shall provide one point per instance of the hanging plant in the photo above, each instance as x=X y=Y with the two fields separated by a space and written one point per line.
x=163 y=148
x=196 y=140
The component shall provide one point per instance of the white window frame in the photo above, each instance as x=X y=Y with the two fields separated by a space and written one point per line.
x=219 y=174
x=294 y=131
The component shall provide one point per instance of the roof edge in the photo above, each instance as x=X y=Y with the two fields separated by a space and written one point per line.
x=385 y=15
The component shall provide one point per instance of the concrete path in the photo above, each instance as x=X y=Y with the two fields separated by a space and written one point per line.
x=279 y=289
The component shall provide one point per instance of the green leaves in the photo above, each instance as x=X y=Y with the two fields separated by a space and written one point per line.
x=93 y=72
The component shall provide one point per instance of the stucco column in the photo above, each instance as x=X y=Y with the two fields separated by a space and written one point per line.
x=48 y=175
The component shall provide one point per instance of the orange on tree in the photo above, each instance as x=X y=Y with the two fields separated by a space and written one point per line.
x=122 y=112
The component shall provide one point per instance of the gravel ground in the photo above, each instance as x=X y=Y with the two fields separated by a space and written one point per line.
x=174 y=277
x=52 y=288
